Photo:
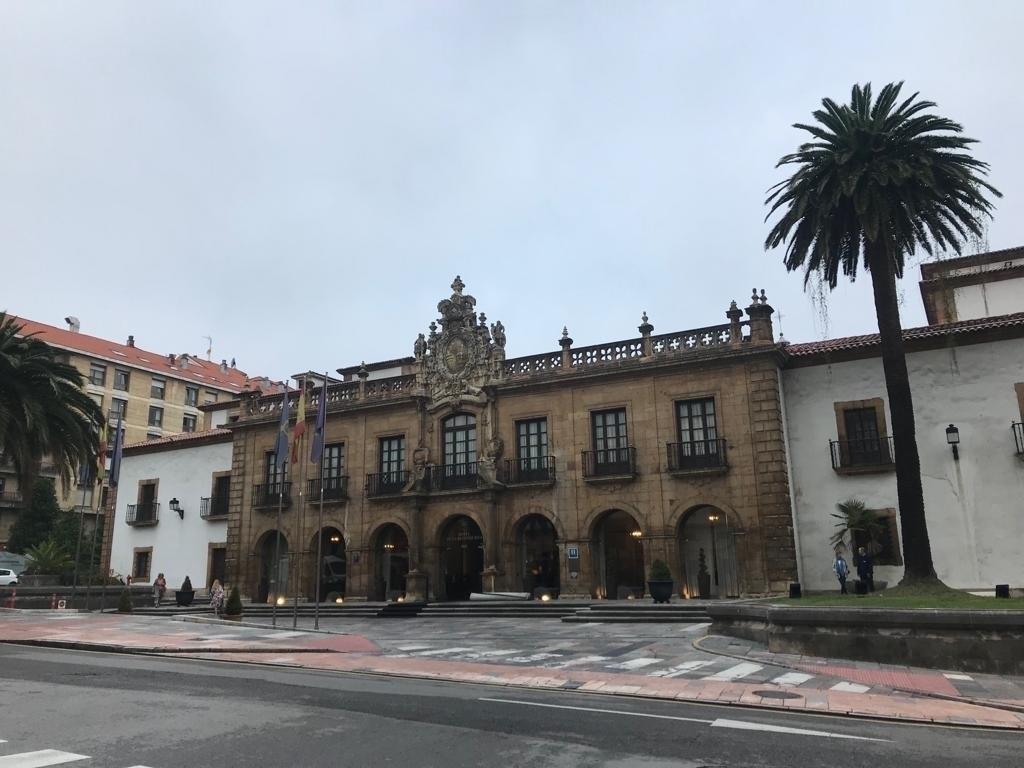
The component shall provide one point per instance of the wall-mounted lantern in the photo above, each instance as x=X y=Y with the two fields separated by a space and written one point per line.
x=953 y=438
x=175 y=506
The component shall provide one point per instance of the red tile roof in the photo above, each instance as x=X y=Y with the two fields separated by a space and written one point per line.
x=909 y=334
x=180 y=440
x=201 y=371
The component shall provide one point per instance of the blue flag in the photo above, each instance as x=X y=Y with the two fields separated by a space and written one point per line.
x=281 y=446
x=115 y=462
x=317 y=451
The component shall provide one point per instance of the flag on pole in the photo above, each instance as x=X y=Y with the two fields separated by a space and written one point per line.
x=321 y=422
x=300 y=423
x=115 y=462
x=281 y=446
x=101 y=454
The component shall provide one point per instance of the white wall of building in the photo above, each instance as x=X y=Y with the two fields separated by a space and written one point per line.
x=180 y=546
x=999 y=297
x=974 y=507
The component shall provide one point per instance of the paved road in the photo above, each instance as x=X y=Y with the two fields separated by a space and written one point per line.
x=89 y=709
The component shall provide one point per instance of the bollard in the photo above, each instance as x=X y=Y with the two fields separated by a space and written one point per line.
x=1003 y=590
x=795 y=591
x=53 y=601
x=13 y=598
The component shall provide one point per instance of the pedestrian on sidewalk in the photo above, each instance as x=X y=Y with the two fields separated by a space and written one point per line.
x=842 y=571
x=865 y=568
x=159 y=587
x=217 y=597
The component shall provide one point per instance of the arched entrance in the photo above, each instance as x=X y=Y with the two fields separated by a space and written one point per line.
x=704 y=531
x=620 y=556
x=462 y=558
x=332 y=565
x=537 y=549
x=272 y=581
x=391 y=556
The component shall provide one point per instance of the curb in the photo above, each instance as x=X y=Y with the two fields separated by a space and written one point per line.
x=193 y=619
x=988 y=703
x=150 y=650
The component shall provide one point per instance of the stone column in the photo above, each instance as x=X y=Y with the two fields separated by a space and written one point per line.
x=735 y=331
x=363 y=374
x=416 y=580
x=566 y=344
x=492 y=546
x=760 y=313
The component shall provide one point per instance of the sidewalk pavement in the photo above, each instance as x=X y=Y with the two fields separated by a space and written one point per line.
x=626 y=668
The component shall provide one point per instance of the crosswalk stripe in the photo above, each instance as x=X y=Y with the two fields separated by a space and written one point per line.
x=39 y=759
x=792 y=679
x=680 y=669
x=845 y=687
x=440 y=651
x=735 y=673
x=953 y=676
x=635 y=664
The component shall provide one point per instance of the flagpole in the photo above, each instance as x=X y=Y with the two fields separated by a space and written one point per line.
x=320 y=510
x=81 y=528
x=299 y=527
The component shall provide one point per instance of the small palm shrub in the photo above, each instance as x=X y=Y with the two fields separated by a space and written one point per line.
x=660 y=571
x=124 y=604
x=234 y=604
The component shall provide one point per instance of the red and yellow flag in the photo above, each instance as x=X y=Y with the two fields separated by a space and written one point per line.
x=300 y=423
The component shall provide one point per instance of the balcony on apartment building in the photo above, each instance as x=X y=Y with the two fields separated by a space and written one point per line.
x=862 y=456
x=1018 y=438
x=272 y=495
x=453 y=477
x=386 y=483
x=213 y=507
x=609 y=463
x=538 y=470
x=145 y=513
x=697 y=457
x=333 y=489
x=10 y=498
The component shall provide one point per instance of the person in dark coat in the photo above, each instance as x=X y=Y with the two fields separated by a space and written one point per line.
x=865 y=568
x=842 y=571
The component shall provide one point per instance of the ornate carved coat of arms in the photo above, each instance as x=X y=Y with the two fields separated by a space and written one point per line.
x=459 y=361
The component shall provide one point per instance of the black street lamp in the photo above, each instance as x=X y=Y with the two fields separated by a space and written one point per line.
x=953 y=438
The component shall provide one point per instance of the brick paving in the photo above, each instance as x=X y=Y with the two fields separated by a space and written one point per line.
x=658 y=661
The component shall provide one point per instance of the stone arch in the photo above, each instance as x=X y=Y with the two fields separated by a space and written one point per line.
x=595 y=515
x=513 y=522
x=461 y=540
x=704 y=529
x=333 y=570
x=536 y=567
x=683 y=507
x=270 y=582
x=472 y=514
x=371 y=539
x=618 y=554
x=389 y=555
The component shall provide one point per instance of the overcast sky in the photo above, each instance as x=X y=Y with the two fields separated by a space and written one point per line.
x=302 y=181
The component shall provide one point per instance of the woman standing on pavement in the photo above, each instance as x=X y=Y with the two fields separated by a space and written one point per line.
x=217 y=597
x=159 y=587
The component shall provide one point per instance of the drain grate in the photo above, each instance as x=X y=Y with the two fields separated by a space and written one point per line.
x=777 y=695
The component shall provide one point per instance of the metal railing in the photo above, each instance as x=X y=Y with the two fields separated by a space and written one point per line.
x=10 y=497
x=335 y=488
x=696 y=454
x=451 y=477
x=386 y=483
x=212 y=507
x=538 y=469
x=1018 y=437
x=863 y=453
x=114 y=414
x=272 y=494
x=146 y=513
x=609 y=462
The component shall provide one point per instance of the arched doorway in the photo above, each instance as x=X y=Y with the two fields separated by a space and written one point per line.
x=332 y=564
x=704 y=531
x=620 y=556
x=462 y=558
x=391 y=553
x=272 y=581
x=537 y=549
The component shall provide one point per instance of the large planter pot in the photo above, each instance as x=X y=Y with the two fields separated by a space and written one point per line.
x=661 y=591
x=184 y=598
x=704 y=585
x=39 y=580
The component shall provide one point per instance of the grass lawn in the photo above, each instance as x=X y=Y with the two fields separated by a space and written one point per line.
x=909 y=597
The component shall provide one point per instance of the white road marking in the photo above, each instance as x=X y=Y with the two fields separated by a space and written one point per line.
x=440 y=651
x=577 y=662
x=850 y=687
x=792 y=679
x=635 y=664
x=500 y=653
x=533 y=657
x=680 y=669
x=741 y=725
x=952 y=676
x=697 y=627
x=719 y=723
x=275 y=635
x=735 y=673
x=39 y=759
x=413 y=647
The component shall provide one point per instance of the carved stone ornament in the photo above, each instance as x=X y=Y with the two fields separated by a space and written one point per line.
x=461 y=360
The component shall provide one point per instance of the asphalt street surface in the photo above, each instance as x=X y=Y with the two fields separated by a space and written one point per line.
x=91 y=709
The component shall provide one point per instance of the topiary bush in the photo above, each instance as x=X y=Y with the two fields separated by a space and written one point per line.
x=660 y=571
x=234 y=604
x=124 y=604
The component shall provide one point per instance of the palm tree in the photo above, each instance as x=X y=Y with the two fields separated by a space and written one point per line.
x=880 y=179
x=44 y=410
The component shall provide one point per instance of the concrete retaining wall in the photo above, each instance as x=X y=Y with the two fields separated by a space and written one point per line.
x=42 y=597
x=972 y=641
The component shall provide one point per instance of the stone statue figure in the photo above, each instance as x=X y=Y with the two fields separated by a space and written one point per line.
x=498 y=332
x=420 y=347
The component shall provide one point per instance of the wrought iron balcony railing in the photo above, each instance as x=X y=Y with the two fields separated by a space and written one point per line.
x=538 y=469
x=609 y=462
x=272 y=494
x=213 y=507
x=1018 y=437
x=10 y=498
x=451 y=477
x=697 y=455
x=386 y=483
x=864 y=454
x=334 y=489
x=146 y=513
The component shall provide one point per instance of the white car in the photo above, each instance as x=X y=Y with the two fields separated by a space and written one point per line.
x=8 y=578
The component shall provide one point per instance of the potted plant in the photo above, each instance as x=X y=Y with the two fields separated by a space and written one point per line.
x=186 y=594
x=703 y=577
x=124 y=604
x=46 y=563
x=660 y=583
x=233 y=609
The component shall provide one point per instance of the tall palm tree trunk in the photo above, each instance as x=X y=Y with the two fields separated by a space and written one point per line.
x=917 y=551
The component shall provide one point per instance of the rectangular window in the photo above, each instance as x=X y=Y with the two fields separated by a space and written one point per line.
x=610 y=431
x=334 y=461
x=122 y=379
x=209 y=398
x=392 y=455
x=97 y=398
x=532 y=443
x=188 y=423
x=98 y=374
x=192 y=396
x=272 y=473
x=157 y=389
x=141 y=563
x=696 y=420
x=118 y=409
x=156 y=416
x=863 y=443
